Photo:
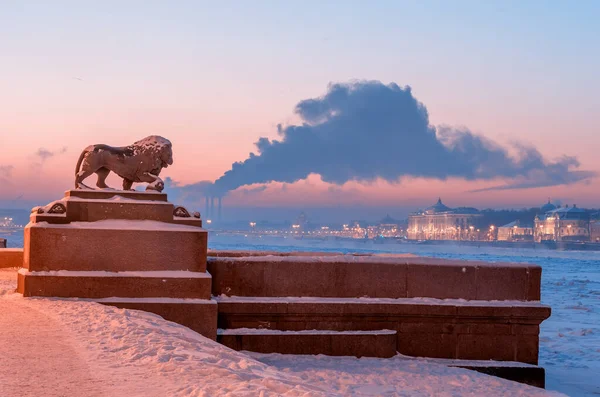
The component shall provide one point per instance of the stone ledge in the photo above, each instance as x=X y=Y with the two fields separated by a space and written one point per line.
x=110 y=193
x=100 y=205
x=357 y=343
x=63 y=285
x=247 y=254
x=455 y=308
x=11 y=257
x=373 y=276
x=528 y=374
x=531 y=375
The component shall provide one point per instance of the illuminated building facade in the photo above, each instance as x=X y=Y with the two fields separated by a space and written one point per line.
x=440 y=222
x=7 y=222
x=595 y=231
x=515 y=231
x=563 y=224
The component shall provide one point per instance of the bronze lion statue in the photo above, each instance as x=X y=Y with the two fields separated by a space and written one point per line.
x=140 y=162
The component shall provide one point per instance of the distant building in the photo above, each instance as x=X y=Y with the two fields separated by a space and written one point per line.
x=515 y=231
x=388 y=227
x=6 y=222
x=440 y=222
x=595 y=231
x=563 y=224
x=301 y=222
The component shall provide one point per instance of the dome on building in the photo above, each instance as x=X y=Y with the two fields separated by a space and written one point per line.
x=437 y=208
x=388 y=220
x=547 y=207
x=567 y=212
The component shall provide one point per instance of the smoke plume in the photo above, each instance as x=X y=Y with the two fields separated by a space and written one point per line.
x=362 y=131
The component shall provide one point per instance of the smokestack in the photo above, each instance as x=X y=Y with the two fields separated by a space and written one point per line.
x=220 y=206
x=212 y=207
x=206 y=208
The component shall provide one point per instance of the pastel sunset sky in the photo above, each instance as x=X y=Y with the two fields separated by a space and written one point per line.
x=214 y=77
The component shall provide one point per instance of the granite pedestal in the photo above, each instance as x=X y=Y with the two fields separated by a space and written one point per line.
x=128 y=249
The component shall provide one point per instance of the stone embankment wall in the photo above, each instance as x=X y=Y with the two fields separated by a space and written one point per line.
x=11 y=257
x=437 y=308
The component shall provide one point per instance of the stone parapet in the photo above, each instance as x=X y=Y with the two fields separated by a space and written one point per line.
x=374 y=276
x=446 y=309
x=11 y=257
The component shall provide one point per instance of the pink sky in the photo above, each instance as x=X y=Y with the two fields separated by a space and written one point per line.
x=77 y=75
x=209 y=135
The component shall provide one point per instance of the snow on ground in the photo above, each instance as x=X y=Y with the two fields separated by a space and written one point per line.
x=55 y=347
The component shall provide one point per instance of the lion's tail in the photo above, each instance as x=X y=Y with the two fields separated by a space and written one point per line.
x=81 y=156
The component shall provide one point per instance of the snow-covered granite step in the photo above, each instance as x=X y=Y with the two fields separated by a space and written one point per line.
x=426 y=327
x=387 y=306
x=380 y=343
x=528 y=374
x=266 y=331
x=199 y=315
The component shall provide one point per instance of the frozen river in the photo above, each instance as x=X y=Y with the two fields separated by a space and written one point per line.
x=570 y=338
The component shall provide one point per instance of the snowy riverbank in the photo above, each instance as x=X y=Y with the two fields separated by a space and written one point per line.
x=54 y=347
x=569 y=339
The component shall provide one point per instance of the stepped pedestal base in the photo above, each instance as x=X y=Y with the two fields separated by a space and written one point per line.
x=132 y=250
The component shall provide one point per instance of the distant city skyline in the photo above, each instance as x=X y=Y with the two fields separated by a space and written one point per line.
x=214 y=78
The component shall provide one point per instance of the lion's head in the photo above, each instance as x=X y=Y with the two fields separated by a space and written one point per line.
x=158 y=149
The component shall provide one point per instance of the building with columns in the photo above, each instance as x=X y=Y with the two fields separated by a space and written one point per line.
x=563 y=224
x=440 y=222
x=515 y=231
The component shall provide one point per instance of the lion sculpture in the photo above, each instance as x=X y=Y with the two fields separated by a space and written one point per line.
x=140 y=162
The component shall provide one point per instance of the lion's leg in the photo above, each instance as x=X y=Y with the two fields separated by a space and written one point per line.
x=154 y=182
x=127 y=184
x=80 y=177
x=102 y=175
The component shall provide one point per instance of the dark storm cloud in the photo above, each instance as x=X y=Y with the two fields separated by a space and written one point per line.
x=362 y=131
